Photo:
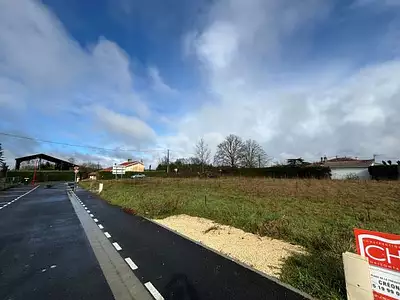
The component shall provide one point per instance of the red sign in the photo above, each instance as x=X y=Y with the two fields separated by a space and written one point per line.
x=383 y=253
x=76 y=169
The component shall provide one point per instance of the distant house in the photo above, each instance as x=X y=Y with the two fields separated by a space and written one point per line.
x=93 y=176
x=347 y=167
x=130 y=166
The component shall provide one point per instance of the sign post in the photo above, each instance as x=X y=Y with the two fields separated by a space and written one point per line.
x=118 y=170
x=383 y=253
x=76 y=170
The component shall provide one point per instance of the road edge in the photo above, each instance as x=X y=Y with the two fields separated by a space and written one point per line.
x=276 y=280
x=123 y=283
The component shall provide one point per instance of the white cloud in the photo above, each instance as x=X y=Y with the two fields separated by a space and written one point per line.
x=241 y=50
x=158 y=83
x=333 y=110
x=127 y=128
x=45 y=71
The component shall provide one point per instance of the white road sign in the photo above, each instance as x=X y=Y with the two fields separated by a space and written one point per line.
x=119 y=170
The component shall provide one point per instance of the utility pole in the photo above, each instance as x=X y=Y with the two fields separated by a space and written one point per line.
x=167 y=160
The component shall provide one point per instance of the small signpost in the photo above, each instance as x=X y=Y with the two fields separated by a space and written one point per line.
x=76 y=171
x=383 y=253
x=118 y=170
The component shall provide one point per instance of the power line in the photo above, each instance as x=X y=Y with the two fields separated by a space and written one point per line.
x=76 y=145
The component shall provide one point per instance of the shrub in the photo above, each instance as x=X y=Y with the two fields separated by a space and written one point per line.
x=390 y=172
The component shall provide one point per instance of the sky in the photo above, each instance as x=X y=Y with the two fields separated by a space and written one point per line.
x=303 y=78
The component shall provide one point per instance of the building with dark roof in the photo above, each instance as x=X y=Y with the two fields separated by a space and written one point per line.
x=59 y=164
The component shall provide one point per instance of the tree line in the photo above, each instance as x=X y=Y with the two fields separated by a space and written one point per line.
x=233 y=152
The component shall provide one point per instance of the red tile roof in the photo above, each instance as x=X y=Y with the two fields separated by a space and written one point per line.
x=130 y=163
x=125 y=164
x=348 y=162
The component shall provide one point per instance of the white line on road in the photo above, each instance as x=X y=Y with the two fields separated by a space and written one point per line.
x=91 y=215
x=156 y=294
x=88 y=211
x=116 y=246
x=101 y=226
x=95 y=220
x=107 y=234
x=131 y=263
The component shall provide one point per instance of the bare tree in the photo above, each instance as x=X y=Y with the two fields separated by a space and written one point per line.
x=203 y=153
x=253 y=155
x=229 y=152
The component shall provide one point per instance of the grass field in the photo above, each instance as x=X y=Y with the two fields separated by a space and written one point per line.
x=317 y=214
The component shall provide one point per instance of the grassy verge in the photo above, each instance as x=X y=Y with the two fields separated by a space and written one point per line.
x=317 y=214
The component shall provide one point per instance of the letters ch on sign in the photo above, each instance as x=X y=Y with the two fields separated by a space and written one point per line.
x=383 y=253
x=381 y=250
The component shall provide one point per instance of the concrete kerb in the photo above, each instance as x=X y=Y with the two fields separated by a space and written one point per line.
x=122 y=281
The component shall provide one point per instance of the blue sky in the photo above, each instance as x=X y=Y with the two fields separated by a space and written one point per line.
x=303 y=79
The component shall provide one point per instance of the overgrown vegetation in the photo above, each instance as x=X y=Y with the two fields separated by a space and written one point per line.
x=317 y=214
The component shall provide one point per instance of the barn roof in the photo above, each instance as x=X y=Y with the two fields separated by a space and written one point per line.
x=53 y=159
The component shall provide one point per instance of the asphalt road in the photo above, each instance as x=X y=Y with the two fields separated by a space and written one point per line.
x=44 y=252
x=175 y=266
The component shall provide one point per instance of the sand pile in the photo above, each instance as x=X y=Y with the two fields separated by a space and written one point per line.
x=262 y=253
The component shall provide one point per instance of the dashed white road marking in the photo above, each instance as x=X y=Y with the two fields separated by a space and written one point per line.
x=107 y=234
x=95 y=220
x=19 y=197
x=116 y=246
x=131 y=263
x=101 y=226
x=91 y=215
x=88 y=211
x=153 y=291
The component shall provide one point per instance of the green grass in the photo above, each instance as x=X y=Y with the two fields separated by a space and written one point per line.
x=317 y=214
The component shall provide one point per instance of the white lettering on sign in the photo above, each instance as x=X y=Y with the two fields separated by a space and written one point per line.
x=382 y=252
x=371 y=256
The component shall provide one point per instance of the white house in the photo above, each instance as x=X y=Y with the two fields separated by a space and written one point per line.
x=347 y=167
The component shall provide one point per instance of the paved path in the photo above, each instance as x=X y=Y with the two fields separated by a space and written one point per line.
x=44 y=252
x=175 y=268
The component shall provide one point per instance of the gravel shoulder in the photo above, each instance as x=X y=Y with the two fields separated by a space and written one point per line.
x=262 y=253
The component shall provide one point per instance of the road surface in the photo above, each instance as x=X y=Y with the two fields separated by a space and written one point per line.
x=55 y=245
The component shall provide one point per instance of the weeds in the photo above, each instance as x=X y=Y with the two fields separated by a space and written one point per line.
x=317 y=214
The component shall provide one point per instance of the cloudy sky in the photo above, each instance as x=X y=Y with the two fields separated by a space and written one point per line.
x=304 y=78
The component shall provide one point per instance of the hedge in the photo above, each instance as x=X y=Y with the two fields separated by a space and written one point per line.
x=276 y=172
x=109 y=175
x=42 y=176
x=384 y=172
